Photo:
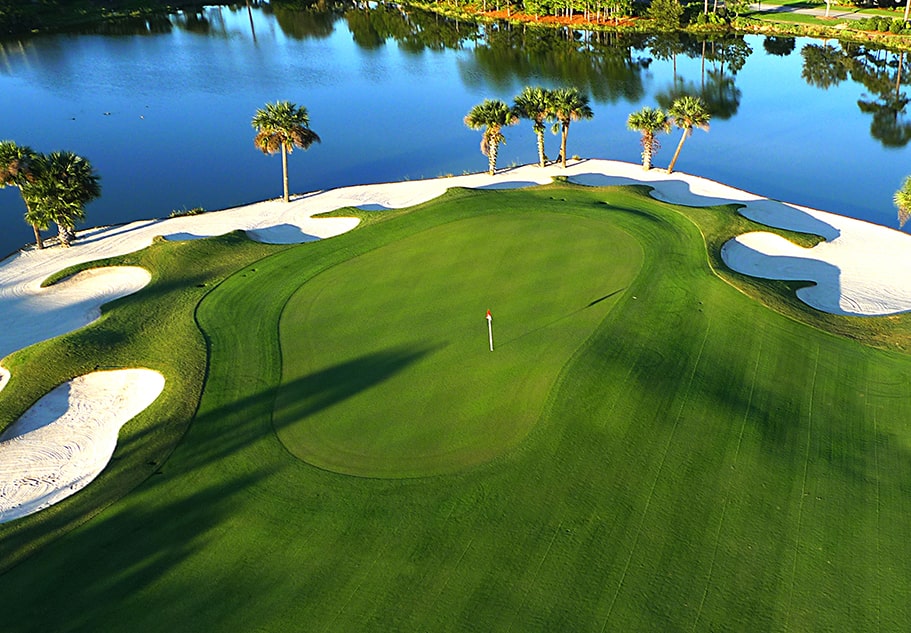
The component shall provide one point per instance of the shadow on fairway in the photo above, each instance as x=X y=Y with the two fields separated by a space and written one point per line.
x=263 y=408
x=311 y=394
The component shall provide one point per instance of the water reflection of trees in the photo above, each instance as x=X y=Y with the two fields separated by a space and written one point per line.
x=879 y=71
x=303 y=19
x=721 y=58
x=413 y=30
x=779 y=46
x=608 y=66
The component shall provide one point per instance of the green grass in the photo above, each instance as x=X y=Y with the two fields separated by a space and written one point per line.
x=698 y=460
x=407 y=320
x=154 y=328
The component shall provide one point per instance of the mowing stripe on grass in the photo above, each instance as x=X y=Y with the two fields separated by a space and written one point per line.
x=623 y=484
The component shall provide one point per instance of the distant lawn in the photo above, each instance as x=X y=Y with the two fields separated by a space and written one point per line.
x=651 y=448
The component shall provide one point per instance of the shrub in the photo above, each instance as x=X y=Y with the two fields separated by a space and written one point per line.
x=176 y=213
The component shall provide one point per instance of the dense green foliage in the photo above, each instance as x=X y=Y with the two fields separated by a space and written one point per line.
x=701 y=462
x=22 y=16
x=55 y=187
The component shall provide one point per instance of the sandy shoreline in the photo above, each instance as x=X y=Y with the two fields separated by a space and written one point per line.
x=856 y=270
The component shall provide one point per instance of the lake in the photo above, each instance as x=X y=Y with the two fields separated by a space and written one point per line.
x=163 y=108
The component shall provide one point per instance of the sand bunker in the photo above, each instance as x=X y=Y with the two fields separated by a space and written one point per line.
x=67 y=438
x=32 y=314
x=857 y=270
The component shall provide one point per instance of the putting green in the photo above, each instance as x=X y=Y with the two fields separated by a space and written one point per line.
x=386 y=366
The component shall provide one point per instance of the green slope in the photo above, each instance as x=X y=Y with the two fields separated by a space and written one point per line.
x=698 y=461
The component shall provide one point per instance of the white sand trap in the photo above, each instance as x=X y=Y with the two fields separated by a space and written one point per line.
x=858 y=273
x=32 y=314
x=858 y=270
x=4 y=377
x=67 y=438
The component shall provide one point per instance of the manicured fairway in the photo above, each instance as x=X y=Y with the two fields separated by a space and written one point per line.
x=668 y=454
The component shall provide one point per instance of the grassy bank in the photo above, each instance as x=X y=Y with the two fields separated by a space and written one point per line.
x=756 y=22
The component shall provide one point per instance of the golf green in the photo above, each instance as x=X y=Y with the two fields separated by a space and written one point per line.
x=386 y=366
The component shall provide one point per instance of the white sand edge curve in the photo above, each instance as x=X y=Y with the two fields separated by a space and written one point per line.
x=67 y=438
x=32 y=314
x=857 y=270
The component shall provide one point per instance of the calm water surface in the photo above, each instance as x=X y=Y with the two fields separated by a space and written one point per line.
x=164 y=115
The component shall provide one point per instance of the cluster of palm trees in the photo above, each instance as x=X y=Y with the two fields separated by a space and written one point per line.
x=540 y=106
x=686 y=113
x=564 y=105
x=55 y=187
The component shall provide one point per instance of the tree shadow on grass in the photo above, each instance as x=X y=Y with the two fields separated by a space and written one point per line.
x=124 y=552
x=261 y=409
x=315 y=392
x=568 y=315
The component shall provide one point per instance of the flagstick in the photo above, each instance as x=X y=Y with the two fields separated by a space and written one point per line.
x=490 y=329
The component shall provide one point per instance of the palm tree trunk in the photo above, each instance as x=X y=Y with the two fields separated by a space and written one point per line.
x=63 y=235
x=492 y=157
x=907 y=9
x=670 y=168
x=285 y=171
x=563 y=143
x=250 y=15
x=540 y=134
x=39 y=243
x=647 y=144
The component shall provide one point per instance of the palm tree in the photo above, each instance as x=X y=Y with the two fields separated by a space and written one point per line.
x=534 y=104
x=17 y=170
x=492 y=115
x=63 y=184
x=649 y=121
x=687 y=113
x=568 y=105
x=902 y=200
x=282 y=126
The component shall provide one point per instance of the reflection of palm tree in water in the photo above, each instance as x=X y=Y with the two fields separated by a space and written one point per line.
x=888 y=125
x=717 y=86
x=826 y=66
